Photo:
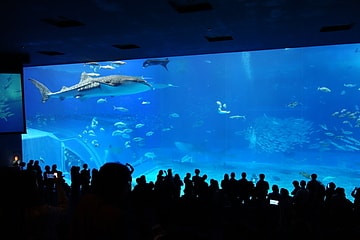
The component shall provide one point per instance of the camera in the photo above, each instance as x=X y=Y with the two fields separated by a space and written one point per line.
x=274 y=202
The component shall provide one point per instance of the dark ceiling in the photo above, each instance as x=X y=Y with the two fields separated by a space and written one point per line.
x=43 y=32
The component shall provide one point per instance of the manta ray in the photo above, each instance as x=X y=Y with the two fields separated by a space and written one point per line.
x=112 y=85
x=153 y=62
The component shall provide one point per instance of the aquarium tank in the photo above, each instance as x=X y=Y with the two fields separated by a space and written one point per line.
x=286 y=113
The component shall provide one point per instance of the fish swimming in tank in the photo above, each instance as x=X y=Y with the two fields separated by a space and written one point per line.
x=324 y=89
x=112 y=85
x=153 y=62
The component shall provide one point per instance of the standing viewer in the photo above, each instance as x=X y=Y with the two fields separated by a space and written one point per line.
x=104 y=212
x=85 y=178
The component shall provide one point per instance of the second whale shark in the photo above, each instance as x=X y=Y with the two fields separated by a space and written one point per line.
x=112 y=85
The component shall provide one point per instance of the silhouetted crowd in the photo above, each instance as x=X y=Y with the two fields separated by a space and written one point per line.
x=104 y=203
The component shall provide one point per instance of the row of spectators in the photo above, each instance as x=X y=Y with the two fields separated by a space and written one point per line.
x=105 y=204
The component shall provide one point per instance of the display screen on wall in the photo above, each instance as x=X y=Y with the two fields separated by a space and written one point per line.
x=12 y=119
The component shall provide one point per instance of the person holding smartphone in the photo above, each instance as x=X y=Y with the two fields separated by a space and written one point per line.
x=274 y=196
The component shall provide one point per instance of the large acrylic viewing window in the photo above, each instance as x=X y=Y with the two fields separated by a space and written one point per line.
x=285 y=112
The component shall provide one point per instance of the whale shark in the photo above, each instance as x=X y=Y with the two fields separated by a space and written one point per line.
x=112 y=85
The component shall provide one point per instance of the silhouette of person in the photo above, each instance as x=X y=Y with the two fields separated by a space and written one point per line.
x=30 y=216
x=355 y=193
x=203 y=188
x=49 y=184
x=215 y=196
x=197 y=179
x=85 y=178
x=245 y=189
x=286 y=210
x=261 y=190
x=233 y=189
x=329 y=192
x=94 y=174
x=274 y=210
x=275 y=193
x=105 y=213
x=224 y=184
x=178 y=183
x=296 y=185
x=75 y=183
x=188 y=186
x=316 y=191
x=55 y=171
x=30 y=165
x=339 y=213
x=38 y=173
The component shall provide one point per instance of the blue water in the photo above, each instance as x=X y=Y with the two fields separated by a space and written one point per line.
x=280 y=112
